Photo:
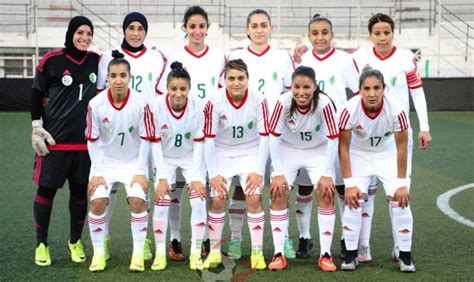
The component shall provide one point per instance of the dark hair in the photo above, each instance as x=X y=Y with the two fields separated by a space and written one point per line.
x=380 y=18
x=177 y=71
x=318 y=18
x=194 y=10
x=118 y=59
x=370 y=72
x=309 y=73
x=258 y=11
x=135 y=17
x=238 y=64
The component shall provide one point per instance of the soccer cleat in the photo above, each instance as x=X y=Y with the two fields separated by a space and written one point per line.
x=326 y=264
x=175 y=252
x=77 y=251
x=303 y=248
x=42 y=257
x=205 y=248
x=278 y=262
x=364 y=254
x=147 y=254
x=350 y=261
x=395 y=253
x=289 y=249
x=257 y=261
x=98 y=263
x=343 y=249
x=405 y=262
x=137 y=264
x=195 y=262
x=107 y=247
x=213 y=260
x=159 y=263
x=235 y=251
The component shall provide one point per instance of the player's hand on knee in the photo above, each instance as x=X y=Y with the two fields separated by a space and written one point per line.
x=161 y=190
x=218 y=183
x=278 y=186
x=325 y=186
x=352 y=195
x=94 y=183
x=424 y=139
x=141 y=180
x=252 y=183
x=39 y=138
x=402 y=196
x=199 y=188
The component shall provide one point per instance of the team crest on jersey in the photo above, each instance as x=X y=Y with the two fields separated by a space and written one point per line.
x=150 y=76
x=332 y=79
x=387 y=133
x=130 y=129
x=250 y=125
x=106 y=127
x=317 y=128
x=165 y=131
x=213 y=81
x=93 y=77
x=394 y=81
x=66 y=80
x=275 y=76
x=187 y=135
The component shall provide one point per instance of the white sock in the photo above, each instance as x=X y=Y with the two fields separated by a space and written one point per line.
x=367 y=216
x=279 y=223
x=303 y=207
x=160 y=224
x=352 y=220
x=341 y=206
x=326 y=221
x=216 y=223
x=97 y=229
x=256 y=222
x=237 y=210
x=109 y=210
x=175 y=214
x=198 y=221
x=139 y=223
x=402 y=221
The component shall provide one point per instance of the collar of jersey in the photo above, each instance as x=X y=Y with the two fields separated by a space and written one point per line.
x=329 y=54
x=134 y=55
x=258 y=54
x=203 y=53
x=367 y=112
x=124 y=102
x=384 y=58
x=232 y=102
x=168 y=104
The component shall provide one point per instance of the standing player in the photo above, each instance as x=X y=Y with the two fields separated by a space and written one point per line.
x=236 y=144
x=67 y=77
x=373 y=142
x=179 y=121
x=205 y=65
x=303 y=136
x=335 y=72
x=118 y=124
x=147 y=67
x=270 y=72
x=401 y=75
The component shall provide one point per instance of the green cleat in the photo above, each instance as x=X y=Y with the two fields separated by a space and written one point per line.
x=98 y=263
x=257 y=261
x=76 y=251
x=235 y=250
x=107 y=247
x=147 y=254
x=195 y=262
x=213 y=260
x=289 y=249
x=137 y=264
x=42 y=257
x=159 y=263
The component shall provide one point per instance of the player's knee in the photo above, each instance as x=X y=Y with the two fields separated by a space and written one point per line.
x=305 y=190
x=137 y=205
x=254 y=203
x=217 y=204
x=98 y=206
x=280 y=202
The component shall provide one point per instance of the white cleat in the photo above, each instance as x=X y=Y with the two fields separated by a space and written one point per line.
x=349 y=266
x=395 y=253
x=406 y=268
x=364 y=254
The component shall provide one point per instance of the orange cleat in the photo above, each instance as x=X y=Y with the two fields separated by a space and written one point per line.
x=175 y=252
x=326 y=264
x=278 y=262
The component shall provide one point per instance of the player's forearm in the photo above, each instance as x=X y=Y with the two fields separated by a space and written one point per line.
x=95 y=156
x=419 y=100
x=210 y=157
x=198 y=161
x=344 y=156
x=401 y=140
x=36 y=103
x=143 y=152
x=275 y=151
x=331 y=154
x=263 y=152
x=158 y=160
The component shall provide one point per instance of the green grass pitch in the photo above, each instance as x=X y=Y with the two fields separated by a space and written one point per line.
x=443 y=249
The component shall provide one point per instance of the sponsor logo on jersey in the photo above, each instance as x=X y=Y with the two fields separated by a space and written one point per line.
x=291 y=124
x=223 y=117
x=92 y=77
x=359 y=127
x=164 y=131
x=222 y=120
x=66 y=72
x=105 y=120
x=106 y=126
x=66 y=80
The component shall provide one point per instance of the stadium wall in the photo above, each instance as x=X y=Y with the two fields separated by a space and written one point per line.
x=442 y=94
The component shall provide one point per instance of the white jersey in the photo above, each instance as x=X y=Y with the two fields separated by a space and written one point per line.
x=118 y=129
x=335 y=72
x=398 y=68
x=373 y=134
x=146 y=67
x=269 y=71
x=179 y=131
x=236 y=129
x=304 y=130
x=205 y=69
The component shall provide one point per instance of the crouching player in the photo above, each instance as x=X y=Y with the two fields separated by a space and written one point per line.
x=179 y=122
x=118 y=121
x=373 y=142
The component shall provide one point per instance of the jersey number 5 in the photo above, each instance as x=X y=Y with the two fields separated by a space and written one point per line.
x=202 y=88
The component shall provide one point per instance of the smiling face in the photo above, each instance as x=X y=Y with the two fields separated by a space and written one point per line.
x=259 y=29
x=382 y=38
x=82 y=38
x=320 y=35
x=303 y=88
x=237 y=82
x=118 y=78
x=196 y=29
x=135 y=34
x=178 y=88
x=371 y=91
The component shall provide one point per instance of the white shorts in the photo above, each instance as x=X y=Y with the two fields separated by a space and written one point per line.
x=113 y=176
x=240 y=167
x=303 y=178
x=312 y=160
x=383 y=165
x=180 y=170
